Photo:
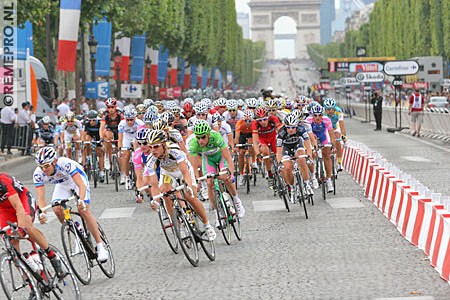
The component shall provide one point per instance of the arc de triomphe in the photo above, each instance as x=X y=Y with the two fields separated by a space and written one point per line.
x=306 y=13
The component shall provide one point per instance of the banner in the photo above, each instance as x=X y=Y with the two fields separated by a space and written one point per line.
x=94 y=90
x=102 y=33
x=187 y=78
x=163 y=56
x=131 y=90
x=173 y=61
x=137 y=54
x=153 y=54
x=68 y=34
x=193 y=76
x=25 y=40
x=204 y=77
x=123 y=44
x=181 y=75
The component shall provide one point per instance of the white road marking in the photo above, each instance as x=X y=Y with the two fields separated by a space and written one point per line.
x=268 y=205
x=118 y=212
x=408 y=298
x=416 y=158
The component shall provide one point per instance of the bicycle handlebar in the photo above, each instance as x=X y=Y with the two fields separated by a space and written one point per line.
x=243 y=145
x=15 y=230
x=212 y=175
x=143 y=188
x=165 y=194
x=62 y=201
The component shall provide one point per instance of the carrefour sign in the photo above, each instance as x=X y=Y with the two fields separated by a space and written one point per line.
x=401 y=67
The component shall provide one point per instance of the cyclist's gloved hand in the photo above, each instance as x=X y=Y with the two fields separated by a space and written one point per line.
x=344 y=138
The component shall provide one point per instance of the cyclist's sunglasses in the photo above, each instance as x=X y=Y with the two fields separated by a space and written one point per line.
x=143 y=143
x=271 y=110
x=130 y=120
x=232 y=110
x=201 y=137
x=291 y=127
x=44 y=167
x=201 y=114
x=317 y=115
x=262 y=119
x=156 y=146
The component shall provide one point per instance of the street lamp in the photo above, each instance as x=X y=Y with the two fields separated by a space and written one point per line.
x=118 y=59
x=148 y=64
x=92 y=43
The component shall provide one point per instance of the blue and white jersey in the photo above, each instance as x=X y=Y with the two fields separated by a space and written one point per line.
x=130 y=130
x=64 y=170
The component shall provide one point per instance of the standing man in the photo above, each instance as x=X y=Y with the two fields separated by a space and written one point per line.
x=7 y=120
x=416 y=103
x=377 y=102
x=63 y=108
x=25 y=133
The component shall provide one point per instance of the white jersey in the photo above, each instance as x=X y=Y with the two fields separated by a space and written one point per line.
x=232 y=121
x=71 y=129
x=129 y=132
x=225 y=130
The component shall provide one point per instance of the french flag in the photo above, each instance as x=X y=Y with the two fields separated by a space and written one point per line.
x=124 y=45
x=69 y=16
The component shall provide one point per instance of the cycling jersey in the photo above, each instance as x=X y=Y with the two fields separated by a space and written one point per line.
x=336 y=117
x=10 y=186
x=92 y=130
x=112 y=123
x=71 y=129
x=267 y=135
x=233 y=121
x=244 y=127
x=65 y=169
x=180 y=127
x=211 y=153
x=320 y=130
x=129 y=131
x=225 y=130
x=139 y=159
x=47 y=135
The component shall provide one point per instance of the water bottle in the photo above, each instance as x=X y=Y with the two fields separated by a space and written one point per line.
x=30 y=262
x=37 y=260
x=79 y=228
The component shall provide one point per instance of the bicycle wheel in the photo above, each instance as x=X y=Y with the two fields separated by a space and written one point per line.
x=168 y=228
x=207 y=246
x=281 y=188
x=115 y=172
x=65 y=288
x=108 y=267
x=254 y=176
x=236 y=223
x=94 y=168
x=107 y=176
x=222 y=216
x=323 y=180
x=17 y=281
x=76 y=252
x=302 y=195
x=333 y=173
x=185 y=236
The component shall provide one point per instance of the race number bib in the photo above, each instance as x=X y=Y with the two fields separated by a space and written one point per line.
x=417 y=103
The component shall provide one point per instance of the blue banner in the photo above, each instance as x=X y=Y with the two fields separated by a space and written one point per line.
x=94 y=90
x=219 y=81
x=163 y=59
x=181 y=73
x=137 y=54
x=102 y=33
x=204 y=78
x=193 y=76
x=213 y=75
x=25 y=40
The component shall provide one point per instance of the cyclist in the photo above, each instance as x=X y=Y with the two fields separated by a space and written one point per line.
x=336 y=116
x=188 y=110
x=17 y=204
x=127 y=129
x=244 y=136
x=92 y=133
x=140 y=157
x=215 y=155
x=292 y=139
x=109 y=128
x=70 y=133
x=174 y=166
x=232 y=115
x=67 y=175
x=264 y=134
x=323 y=130
x=141 y=109
x=46 y=132
x=224 y=129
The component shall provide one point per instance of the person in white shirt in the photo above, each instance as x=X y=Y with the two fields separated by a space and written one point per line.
x=63 y=108
x=7 y=120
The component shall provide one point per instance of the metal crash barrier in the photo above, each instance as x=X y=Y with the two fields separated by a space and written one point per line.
x=21 y=138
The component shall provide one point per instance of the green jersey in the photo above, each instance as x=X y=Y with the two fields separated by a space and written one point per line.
x=213 y=150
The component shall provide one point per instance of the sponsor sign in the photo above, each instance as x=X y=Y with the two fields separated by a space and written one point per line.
x=96 y=90
x=347 y=81
x=401 y=67
x=359 y=67
x=131 y=90
x=370 y=77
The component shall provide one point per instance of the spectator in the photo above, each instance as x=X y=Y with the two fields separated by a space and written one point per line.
x=7 y=120
x=63 y=108
x=416 y=104
x=25 y=130
x=100 y=104
x=377 y=102
x=84 y=107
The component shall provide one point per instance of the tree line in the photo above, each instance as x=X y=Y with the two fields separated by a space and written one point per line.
x=201 y=32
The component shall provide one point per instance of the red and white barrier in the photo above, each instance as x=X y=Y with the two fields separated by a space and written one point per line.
x=412 y=208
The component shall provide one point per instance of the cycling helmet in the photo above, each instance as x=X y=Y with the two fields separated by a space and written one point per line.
x=288 y=103
x=291 y=120
x=111 y=102
x=269 y=89
x=201 y=127
x=188 y=100
x=272 y=103
x=188 y=107
x=206 y=101
x=46 y=120
x=171 y=105
x=191 y=122
x=156 y=137
x=70 y=116
x=240 y=102
x=130 y=113
x=79 y=117
x=221 y=102
x=148 y=102
x=251 y=103
x=160 y=124
x=248 y=114
x=260 y=112
x=45 y=156
x=168 y=117
x=232 y=104
x=329 y=103
x=140 y=108
x=149 y=117
x=176 y=110
x=92 y=114
x=302 y=100
x=142 y=134
x=217 y=117
x=298 y=113
x=317 y=109
x=201 y=107
x=159 y=104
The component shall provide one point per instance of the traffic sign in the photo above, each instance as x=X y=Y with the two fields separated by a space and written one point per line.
x=365 y=67
x=401 y=67
x=370 y=77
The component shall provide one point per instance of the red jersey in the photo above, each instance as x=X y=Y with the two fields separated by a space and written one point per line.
x=269 y=132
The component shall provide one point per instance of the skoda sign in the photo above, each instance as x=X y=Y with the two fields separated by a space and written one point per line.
x=370 y=77
x=401 y=67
